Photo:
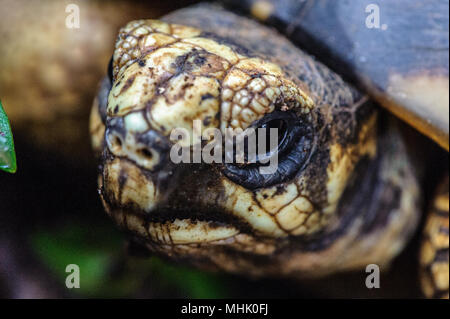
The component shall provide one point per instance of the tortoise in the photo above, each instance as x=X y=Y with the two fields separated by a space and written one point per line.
x=345 y=193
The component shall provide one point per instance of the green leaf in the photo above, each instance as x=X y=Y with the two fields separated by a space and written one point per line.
x=76 y=244
x=96 y=250
x=197 y=284
x=7 y=153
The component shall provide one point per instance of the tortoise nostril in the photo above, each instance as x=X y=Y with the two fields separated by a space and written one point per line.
x=147 y=154
x=116 y=144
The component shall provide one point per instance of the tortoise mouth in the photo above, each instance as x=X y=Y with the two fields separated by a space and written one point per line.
x=172 y=227
x=210 y=215
x=200 y=225
x=189 y=231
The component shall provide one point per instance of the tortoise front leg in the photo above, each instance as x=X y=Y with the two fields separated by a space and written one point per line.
x=434 y=254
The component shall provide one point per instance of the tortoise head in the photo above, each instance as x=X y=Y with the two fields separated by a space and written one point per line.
x=165 y=79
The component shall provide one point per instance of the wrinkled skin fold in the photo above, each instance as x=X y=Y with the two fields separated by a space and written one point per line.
x=351 y=201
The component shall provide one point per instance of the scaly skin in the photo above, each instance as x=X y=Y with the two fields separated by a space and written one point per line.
x=352 y=202
x=434 y=258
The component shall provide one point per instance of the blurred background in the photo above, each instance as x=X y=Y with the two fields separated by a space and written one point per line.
x=50 y=213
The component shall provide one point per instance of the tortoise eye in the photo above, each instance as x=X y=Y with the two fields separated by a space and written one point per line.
x=295 y=138
x=283 y=122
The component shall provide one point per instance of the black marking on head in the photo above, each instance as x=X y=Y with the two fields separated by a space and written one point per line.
x=207 y=121
x=123 y=176
x=154 y=140
x=102 y=96
x=199 y=60
x=195 y=58
x=207 y=96
x=281 y=189
x=239 y=49
x=180 y=62
x=128 y=84
x=117 y=125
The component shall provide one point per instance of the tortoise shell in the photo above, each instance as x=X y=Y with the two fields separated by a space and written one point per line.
x=397 y=51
